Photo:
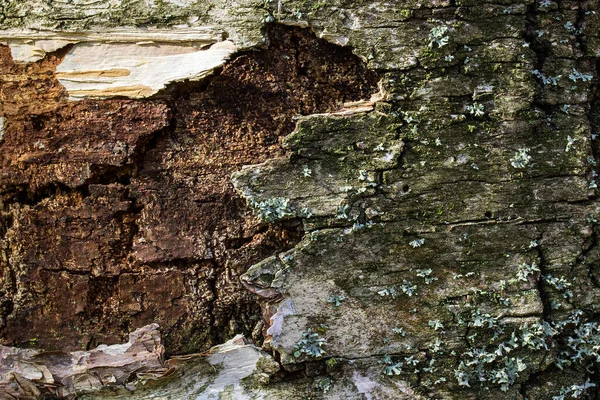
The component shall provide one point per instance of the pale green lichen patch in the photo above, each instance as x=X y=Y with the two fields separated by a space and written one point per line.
x=474 y=296
x=343 y=166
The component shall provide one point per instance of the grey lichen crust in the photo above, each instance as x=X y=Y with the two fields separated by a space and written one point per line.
x=328 y=172
x=451 y=232
x=457 y=220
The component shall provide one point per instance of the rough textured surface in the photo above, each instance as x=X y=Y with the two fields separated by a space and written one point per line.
x=228 y=370
x=121 y=213
x=29 y=374
x=453 y=220
x=136 y=366
x=440 y=244
x=27 y=20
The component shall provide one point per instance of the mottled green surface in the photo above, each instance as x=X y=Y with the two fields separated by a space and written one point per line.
x=454 y=179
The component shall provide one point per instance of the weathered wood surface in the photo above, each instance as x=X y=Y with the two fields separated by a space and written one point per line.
x=439 y=242
x=23 y=372
x=138 y=365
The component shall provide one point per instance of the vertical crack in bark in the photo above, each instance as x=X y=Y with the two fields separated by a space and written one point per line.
x=546 y=302
x=583 y=258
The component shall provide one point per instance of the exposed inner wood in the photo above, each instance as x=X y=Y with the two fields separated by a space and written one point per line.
x=120 y=213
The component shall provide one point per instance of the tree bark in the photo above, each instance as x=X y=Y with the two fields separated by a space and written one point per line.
x=387 y=200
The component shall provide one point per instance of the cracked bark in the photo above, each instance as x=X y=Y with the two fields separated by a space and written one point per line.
x=145 y=226
x=107 y=234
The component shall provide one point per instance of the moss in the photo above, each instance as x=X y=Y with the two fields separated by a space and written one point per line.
x=197 y=340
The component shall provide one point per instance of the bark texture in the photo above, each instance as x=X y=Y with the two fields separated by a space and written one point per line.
x=120 y=213
x=436 y=241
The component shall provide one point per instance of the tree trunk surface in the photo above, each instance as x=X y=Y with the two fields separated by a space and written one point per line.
x=299 y=199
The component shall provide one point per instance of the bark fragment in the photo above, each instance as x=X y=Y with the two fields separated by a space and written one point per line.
x=27 y=373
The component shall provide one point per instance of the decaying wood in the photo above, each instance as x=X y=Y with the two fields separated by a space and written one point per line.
x=438 y=241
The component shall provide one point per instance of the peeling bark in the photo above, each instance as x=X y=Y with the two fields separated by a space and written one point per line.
x=106 y=201
x=436 y=241
x=27 y=373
